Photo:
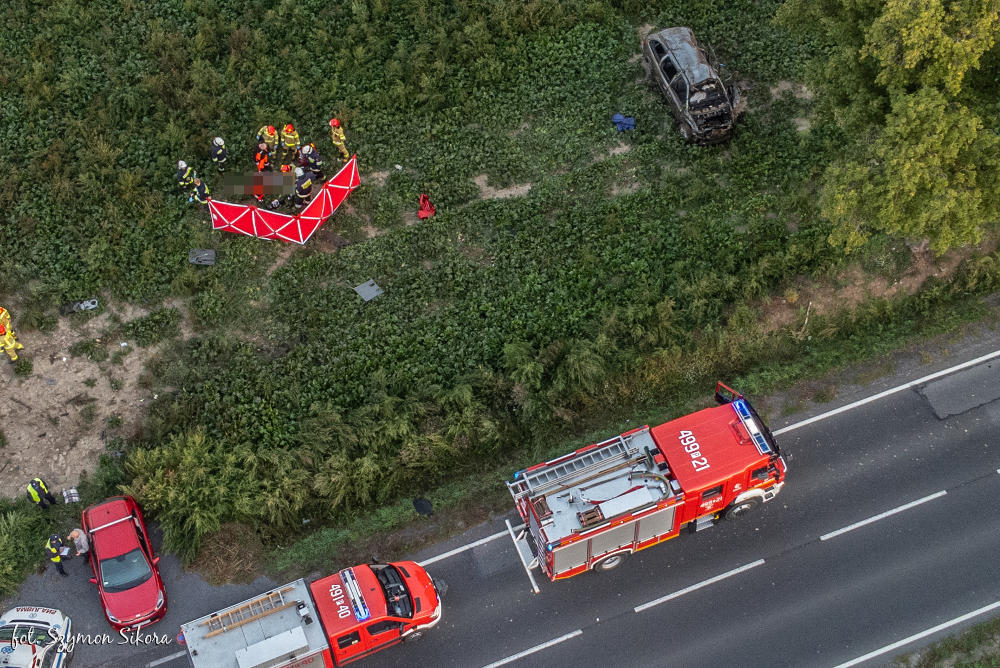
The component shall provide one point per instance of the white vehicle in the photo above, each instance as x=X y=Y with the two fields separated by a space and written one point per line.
x=35 y=638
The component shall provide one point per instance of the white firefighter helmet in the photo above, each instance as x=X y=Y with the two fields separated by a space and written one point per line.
x=219 y=142
x=307 y=149
x=298 y=171
x=181 y=164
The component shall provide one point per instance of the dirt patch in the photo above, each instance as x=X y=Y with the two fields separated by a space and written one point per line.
x=58 y=420
x=644 y=30
x=376 y=178
x=370 y=230
x=851 y=287
x=283 y=256
x=801 y=124
x=487 y=192
x=410 y=218
x=798 y=90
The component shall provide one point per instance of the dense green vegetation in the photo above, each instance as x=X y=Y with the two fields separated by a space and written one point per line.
x=619 y=280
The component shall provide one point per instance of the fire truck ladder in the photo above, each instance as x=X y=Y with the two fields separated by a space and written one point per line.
x=261 y=606
x=595 y=461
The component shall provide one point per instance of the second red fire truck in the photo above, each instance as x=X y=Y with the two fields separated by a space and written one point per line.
x=592 y=508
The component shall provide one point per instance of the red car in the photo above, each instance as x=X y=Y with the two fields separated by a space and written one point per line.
x=124 y=565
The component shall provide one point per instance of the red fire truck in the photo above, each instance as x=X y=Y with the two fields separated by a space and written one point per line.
x=592 y=508
x=332 y=622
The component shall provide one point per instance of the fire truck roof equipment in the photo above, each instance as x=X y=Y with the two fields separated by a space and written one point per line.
x=628 y=473
x=267 y=630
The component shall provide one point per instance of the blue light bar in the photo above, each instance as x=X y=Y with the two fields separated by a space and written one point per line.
x=361 y=611
x=747 y=419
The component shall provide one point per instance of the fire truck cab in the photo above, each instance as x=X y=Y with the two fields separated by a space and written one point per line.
x=591 y=509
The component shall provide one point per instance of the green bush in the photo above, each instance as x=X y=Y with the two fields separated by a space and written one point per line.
x=23 y=531
x=151 y=329
x=23 y=367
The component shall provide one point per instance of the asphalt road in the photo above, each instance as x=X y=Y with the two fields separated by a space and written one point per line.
x=812 y=602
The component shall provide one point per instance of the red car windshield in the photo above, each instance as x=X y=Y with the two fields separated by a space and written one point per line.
x=125 y=571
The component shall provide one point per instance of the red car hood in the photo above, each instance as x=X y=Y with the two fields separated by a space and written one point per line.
x=133 y=603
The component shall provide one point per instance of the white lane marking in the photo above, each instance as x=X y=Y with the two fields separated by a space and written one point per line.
x=735 y=571
x=923 y=634
x=481 y=541
x=166 y=659
x=536 y=648
x=876 y=397
x=880 y=516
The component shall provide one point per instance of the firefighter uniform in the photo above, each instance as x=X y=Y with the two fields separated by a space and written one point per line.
x=8 y=339
x=312 y=161
x=219 y=155
x=52 y=548
x=289 y=143
x=38 y=493
x=200 y=193
x=339 y=139
x=269 y=136
x=303 y=188
x=185 y=177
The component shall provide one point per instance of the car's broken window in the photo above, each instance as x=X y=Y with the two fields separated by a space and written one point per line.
x=680 y=88
x=668 y=67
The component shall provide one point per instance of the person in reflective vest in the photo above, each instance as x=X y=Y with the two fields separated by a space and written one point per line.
x=185 y=176
x=52 y=548
x=312 y=161
x=339 y=139
x=303 y=187
x=269 y=136
x=8 y=339
x=289 y=143
x=219 y=154
x=39 y=493
x=200 y=194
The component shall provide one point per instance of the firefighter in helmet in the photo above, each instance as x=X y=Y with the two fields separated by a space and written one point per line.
x=339 y=139
x=312 y=161
x=303 y=187
x=219 y=154
x=289 y=143
x=185 y=176
x=8 y=339
x=269 y=136
x=200 y=194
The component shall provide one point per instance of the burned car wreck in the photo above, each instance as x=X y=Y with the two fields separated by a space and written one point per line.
x=705 y=108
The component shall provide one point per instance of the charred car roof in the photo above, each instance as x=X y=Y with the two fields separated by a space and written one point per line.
x=689 y=56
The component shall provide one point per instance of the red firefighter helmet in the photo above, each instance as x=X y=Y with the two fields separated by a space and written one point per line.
x=334 y=123
x=289 y=128
x=270 y=129
x=286 y=168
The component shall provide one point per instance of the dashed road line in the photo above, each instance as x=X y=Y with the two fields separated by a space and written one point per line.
x=166 y=659
x=717 y=578
x=917 y=636
x=880 y=516
x=536 y=648
x=880 y=395
x=457 y=550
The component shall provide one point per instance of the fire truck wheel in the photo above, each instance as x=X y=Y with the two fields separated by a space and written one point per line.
x=611 y=562
x=741 y=509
